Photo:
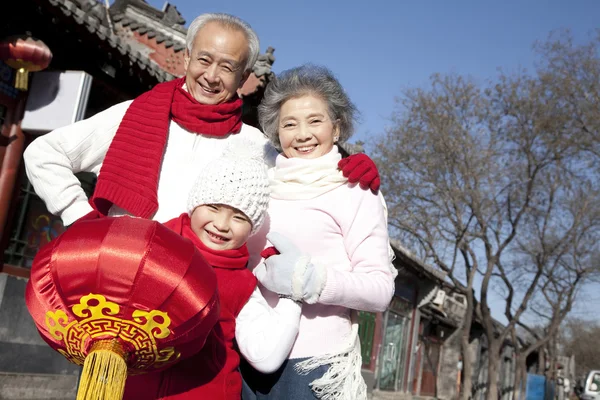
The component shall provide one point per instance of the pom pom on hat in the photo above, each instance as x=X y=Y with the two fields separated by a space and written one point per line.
x=238 y=178
x=244 y=149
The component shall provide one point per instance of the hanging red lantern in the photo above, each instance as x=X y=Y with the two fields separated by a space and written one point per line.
x=25 y=54
x=121 y=296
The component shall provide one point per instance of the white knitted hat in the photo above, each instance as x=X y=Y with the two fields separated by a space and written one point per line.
x=238 y=179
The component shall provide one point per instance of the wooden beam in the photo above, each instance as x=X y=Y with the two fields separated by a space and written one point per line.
x=13 y=270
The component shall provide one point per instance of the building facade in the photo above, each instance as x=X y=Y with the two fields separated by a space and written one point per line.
x=412 y=349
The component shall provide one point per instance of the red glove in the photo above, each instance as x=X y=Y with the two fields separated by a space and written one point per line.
x=268 y=252
x=360 y=168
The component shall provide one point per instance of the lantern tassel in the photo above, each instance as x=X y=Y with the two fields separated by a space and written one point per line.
x=22 y=79
x=104 y=372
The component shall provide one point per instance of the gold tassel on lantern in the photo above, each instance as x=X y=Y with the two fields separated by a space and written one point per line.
x=104 y=372
x=22 y=79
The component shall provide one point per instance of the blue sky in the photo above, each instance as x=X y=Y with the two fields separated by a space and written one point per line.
x=378 y=48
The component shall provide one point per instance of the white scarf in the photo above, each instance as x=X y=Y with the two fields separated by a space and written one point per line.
x=343 y=379
x=303 y=179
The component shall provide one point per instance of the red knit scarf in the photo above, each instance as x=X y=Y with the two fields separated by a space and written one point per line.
x=229 y=259
x=130 y=171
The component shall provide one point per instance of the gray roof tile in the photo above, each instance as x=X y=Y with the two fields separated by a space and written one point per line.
x=91 y=15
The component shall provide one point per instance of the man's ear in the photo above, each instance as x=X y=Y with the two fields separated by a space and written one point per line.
x=245 y=77
x=186 y=59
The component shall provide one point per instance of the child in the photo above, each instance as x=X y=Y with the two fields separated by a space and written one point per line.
x=226 y=205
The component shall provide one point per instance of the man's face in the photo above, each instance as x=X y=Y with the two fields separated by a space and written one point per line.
x=215 y=66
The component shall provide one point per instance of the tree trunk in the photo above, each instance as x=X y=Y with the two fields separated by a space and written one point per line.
x=551 y=373
x=467 y=372
x=520 y=377
x=492 y=378
x=467 y=358
x=541 y=367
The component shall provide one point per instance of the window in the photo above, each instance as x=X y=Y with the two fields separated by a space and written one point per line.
x=33 y=226
x=366 y=332
x=595 y=384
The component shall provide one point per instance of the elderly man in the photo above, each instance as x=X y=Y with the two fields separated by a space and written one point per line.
x=186 y=123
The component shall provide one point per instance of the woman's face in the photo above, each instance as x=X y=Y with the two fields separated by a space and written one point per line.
x=305 y=129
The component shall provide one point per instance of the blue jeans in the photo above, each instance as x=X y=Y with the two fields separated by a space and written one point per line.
x=283 y=384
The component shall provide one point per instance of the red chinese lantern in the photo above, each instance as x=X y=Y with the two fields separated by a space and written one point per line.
x=121 y=296
x=25 y=54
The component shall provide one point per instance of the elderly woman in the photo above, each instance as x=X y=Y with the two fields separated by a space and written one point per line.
x=332 y=242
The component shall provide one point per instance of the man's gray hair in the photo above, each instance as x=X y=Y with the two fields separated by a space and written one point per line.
x=306 y=80
x=230 y=22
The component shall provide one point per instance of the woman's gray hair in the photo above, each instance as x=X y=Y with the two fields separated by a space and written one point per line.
x=227 y=21
x=306 y=80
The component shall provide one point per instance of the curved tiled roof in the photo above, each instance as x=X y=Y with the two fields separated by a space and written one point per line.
x=92 y=15
x=143 y=29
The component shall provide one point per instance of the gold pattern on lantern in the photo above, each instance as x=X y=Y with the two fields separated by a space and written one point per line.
x=97 y=321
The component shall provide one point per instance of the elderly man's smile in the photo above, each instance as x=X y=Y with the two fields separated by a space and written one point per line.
x=209 y=90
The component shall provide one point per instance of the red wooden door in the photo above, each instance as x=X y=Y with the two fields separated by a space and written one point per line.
x=430 y=360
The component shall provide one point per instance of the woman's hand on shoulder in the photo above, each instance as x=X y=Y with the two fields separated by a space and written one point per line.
x=359 y=168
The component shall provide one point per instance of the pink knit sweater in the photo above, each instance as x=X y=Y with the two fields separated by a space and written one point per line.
x=344 y=230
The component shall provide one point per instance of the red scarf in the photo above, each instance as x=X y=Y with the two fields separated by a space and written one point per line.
x=130 y=171
x=229 y=259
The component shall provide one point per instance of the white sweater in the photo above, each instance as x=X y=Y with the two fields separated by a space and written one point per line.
x=52 y=160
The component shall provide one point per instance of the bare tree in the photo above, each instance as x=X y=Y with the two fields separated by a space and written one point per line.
x=494 y=183
x=567 y=256
x=567 y=253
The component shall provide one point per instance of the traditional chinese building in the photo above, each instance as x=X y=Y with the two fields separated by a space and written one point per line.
x=411 y=348
x=125 y=50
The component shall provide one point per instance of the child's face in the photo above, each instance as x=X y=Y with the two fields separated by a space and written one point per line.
x=220 y=227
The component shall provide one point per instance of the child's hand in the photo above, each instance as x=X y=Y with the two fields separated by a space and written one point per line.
x=268 y=252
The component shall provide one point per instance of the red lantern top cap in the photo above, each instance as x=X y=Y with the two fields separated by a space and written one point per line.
x=23 y=51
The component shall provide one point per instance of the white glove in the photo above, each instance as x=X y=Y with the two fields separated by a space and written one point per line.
x=290 y=273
